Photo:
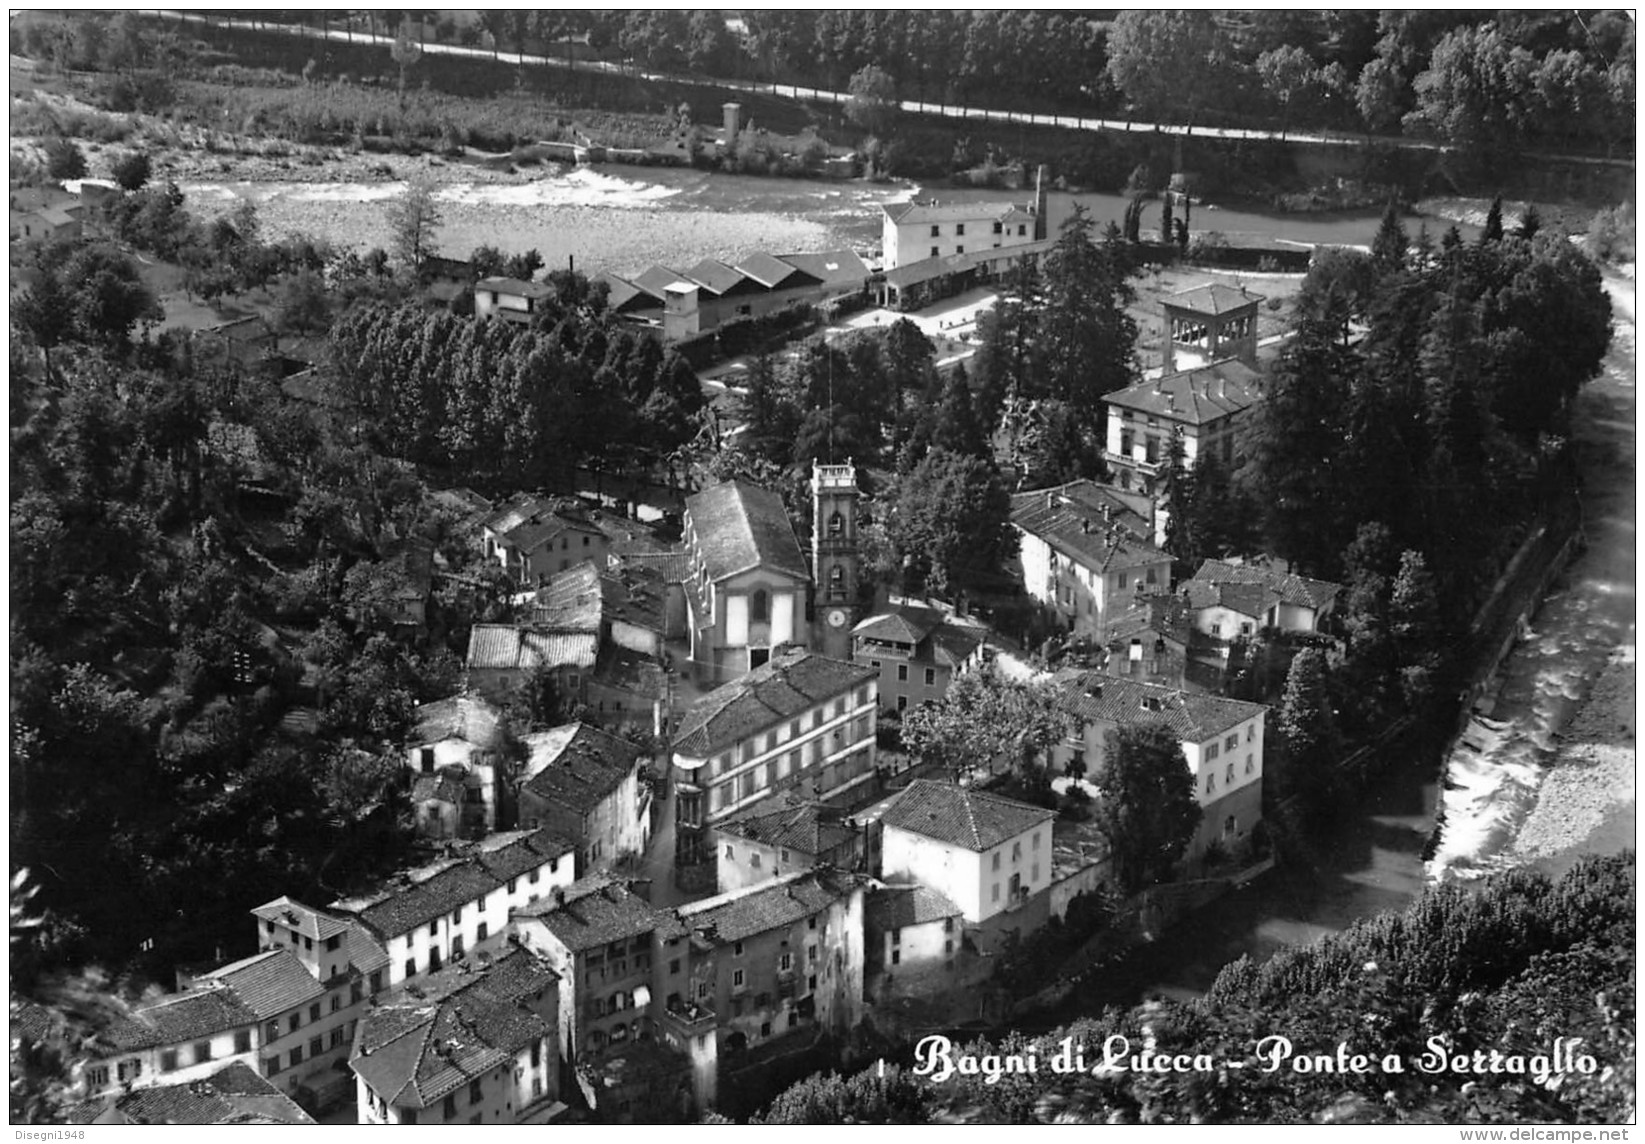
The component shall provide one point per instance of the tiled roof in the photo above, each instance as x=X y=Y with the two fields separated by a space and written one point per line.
x=1074 y=522
x=234 y=1094
x=419 y=896
x=635 y=595
x=771 y=905
x=516 y=286
x=1195 y=396
x=808 y=828
x=512 y=648
x=934 y=638
x=363 y=951
x=774 y=272
x=961 y=816
x=186 y=1017
x=897 y=907
x=1212 y=298
x=907 y=625
x=791 y=682
x=270 y=982
x=304 y=919
x=673 y=567
x=1162 y=614
x=466 y=717
x=622 y=294
x=595 y=911
x=630 y=671
x=1298 y=591
x=739 y=526
x=831 y=267
x=1254 y=600
x=570 y=601
x=933 y=211
x=1193 y=718
x=1091 y=501
x=952 y=645
x=527 y=521
x=578 y=770
x=429 y=1040
x=716 y=276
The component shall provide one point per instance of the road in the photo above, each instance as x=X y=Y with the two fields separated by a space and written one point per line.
x=915 y=107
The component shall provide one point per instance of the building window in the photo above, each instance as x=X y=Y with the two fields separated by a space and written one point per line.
x=1216 y=629
x=448 y=1107
x=997 y=228
x=408 y=1116
x=785 y=962
x=1228 y=778
x=1151 y=577
x=738 y=949
x=674 y=965
x=296 y=1056
x=411 y=967
x=337 y=1037
x=314 y=1012
x=168 y=1060
x=737 y=978
x=896 y=957
x=1231 y=744
x=1245 y=629
x=702 y=990
x=337 y=998
x=295 y=1023
x=933 y=252
x=316 y=1046
x=729 y=852
x=754 y=861
x=930 y=677
x=902 y=703
x=959 y=228
x=1250 y=732
x=996 y=896
x=1022 y=229
x=1016 y=851
x=1210 y=783
x=271 y=1065
x=936 y=231
x=272 y=1032
x=811 y=955
x=242 y=1041
x=959 y=250
x=474 y=1093
x=1249 y=766
x=1212 y=751
x=1035 y=841
x=996 y=859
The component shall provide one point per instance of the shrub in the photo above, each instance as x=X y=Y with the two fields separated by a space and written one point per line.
x=1610 y=236
x=64 y=159
x=131 y=170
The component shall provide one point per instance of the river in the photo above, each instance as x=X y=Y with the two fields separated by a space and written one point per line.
x=1374 y=861
x=623 y=219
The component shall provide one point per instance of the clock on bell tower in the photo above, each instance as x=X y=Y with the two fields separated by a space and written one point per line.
x=834 y=555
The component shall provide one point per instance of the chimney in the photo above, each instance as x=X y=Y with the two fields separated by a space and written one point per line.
x=733 y=121
x=1050 y=500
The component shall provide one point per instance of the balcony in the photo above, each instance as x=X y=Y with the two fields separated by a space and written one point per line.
x=688 y=1019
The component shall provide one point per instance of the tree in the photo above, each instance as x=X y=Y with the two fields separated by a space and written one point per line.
x=1414 y=624
x=1167 y=61
x=304 y=307
x=412 y=220
x=873 y=104
x=1305 y=724
x=1392 y=243
x=956 y=427
x=524 y=265
x=710 y=48
x=486 y=262
x=985 y=722
x=1477 y=94
x=867 y=1098
x=1286 y=72
x=949 y=522
x=1087 y=337
x=1147 y=809
x=1493 y=223
x=131 y=170
x=405 y=52
x=64 y=159
x=1529 y=223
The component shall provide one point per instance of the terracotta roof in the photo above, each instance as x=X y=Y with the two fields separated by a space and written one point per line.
x=1073 y=520
x=831 y=267
x=363 y=951
x=186 y=1017
x=1212 y=298
x=771 y=905
x=933 y=211
x=1195 y=396
x=304 y=919
x=595 y=911
x=1254 y=600
x=791 y=682
x=510 y=647
x=673 y=567
x=578 y=766
x=961 y=816
x=1163 y=615
x=809 y=828
x=632 y=672
x=570 y=601
x=466 y=717
x=1298 y=591
x=419 y=896
x=527 y=521
x=622 y=294
x=738 y=526
x=635 y=595
x=270 y=982
x=905 y=624
x=429 y=1040
x=1089 y=695
x=234 y=1094
x=897 y=907
x=933 y=637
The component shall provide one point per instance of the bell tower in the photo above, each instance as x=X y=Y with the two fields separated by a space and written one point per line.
x=834 y=556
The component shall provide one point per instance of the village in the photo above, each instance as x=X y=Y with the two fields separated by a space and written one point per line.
x=708 y=678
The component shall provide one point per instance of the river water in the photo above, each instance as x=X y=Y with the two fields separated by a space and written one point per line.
x=623 y=219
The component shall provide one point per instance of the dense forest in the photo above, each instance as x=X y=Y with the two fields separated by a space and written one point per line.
x=1485 y=975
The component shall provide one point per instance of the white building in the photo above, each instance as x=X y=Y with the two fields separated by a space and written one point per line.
x=984 y=853
x=1222 y=742
x=915 y=231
